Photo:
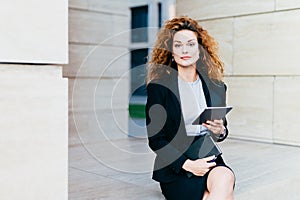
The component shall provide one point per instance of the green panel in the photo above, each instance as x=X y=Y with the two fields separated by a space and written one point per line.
x=137 y=111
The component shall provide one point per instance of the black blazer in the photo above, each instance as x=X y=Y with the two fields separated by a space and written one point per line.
x=166 y=131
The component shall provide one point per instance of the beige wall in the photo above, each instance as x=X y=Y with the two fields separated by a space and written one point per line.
x=258 y=44
x=33 y=100
x=98 y=71
x=33 y=131
x=34 y=31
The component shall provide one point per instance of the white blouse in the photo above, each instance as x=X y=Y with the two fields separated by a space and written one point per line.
x=192 y=104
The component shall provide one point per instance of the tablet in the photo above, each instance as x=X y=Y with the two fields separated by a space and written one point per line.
x=212 y=113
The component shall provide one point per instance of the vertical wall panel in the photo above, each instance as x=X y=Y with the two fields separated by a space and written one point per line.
x=97 y=61
x=34 y=31
x=114 y=7
x=265 y=44
x=222 y=31
x=33 y=132
x=286 y=110
x=252 y=114
x=207 y=9
x=99 y=66
x=287 y=4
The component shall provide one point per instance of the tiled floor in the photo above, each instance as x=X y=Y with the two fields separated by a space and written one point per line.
x=121 y=169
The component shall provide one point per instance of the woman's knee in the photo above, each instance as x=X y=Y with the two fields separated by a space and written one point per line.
x=227 y=175
x=222 y=175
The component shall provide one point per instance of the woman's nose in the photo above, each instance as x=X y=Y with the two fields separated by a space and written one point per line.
x=184 y=49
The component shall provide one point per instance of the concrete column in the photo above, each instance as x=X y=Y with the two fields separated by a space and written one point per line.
x=33 y=100
x=33 y=132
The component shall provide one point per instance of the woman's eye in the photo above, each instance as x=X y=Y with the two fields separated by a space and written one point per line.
x=177 y=45
x=192 y=44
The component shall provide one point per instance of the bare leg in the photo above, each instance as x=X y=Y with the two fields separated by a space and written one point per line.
x=220 y=183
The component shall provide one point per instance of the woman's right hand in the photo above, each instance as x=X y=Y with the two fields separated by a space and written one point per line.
x=199 y=167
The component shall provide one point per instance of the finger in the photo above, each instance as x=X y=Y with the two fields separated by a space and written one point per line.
x=222 y=129
x=215 y=123
x=211 y=164
x=209 y=126
x=217 y=130
x=210 y=123
x=211 y=129
x=206 y=125
x=219 y=121
x=214 y=129
x=209 y=158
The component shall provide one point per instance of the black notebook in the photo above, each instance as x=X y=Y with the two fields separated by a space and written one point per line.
x=212 y=113
x=201 y=148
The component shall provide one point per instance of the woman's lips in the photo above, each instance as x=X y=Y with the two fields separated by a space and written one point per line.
x=185 y=57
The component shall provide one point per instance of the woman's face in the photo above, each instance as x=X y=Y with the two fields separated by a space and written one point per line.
x=185 y=48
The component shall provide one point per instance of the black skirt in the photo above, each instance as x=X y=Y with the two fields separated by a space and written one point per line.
x=191 y=188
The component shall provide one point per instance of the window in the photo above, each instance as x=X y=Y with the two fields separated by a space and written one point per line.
x=138 y=61
x=139 y=24
x=159 y=15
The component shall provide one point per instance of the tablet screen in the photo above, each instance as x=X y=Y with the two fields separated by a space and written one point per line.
x=212 y=113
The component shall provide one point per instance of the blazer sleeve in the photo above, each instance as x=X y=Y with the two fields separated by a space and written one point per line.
x=224 y=136
x=156 y=118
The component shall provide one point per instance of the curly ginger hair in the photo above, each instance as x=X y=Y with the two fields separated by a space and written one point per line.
x=161 y=55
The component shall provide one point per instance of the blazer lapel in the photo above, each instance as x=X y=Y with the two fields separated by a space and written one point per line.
x=205 y=86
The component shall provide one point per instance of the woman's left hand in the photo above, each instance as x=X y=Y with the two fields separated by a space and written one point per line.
x=215 y=126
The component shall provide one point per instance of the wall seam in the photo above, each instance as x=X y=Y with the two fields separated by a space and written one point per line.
x=275 y=5
x=273 y=111
x=97 y=77
x=261 y=75
x=249 y=14
x=97 y=44
x=233 y=43
x=88 y=10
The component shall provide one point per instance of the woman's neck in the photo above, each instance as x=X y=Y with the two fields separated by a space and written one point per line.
x=187 y=74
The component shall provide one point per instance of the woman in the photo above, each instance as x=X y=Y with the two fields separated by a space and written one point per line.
x=185 y=76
